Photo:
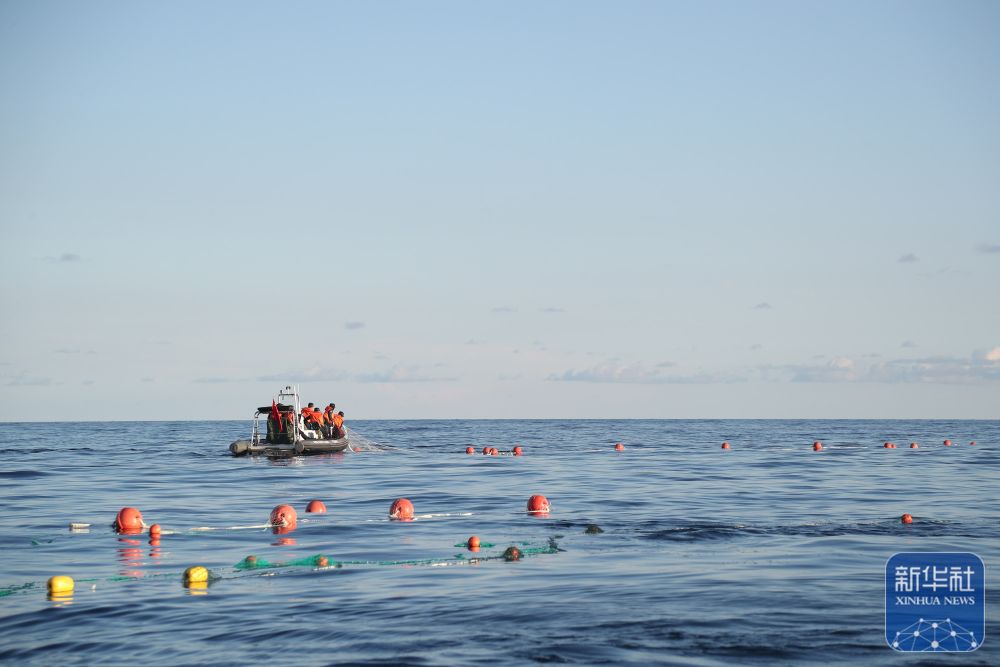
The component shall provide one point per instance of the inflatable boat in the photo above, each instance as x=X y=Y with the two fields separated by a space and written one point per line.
x=286 y=432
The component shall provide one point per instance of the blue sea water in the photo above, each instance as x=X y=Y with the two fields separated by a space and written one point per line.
x=769 y=553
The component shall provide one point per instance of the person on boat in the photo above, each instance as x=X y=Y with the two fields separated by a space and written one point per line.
x=328 y=415
x=308 y=423
x=338 y=425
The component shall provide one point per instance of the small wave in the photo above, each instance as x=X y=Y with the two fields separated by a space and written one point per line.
x=22 y=474
x=694 y=531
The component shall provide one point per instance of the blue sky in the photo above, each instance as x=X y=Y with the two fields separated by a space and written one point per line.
x=443 y=209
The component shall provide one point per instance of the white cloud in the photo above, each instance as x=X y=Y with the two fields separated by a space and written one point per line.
x=65 y=257
x=25 y=380
x=314 y=374
x=634 y=373
x=983 y=366
x=400 y=373
x=838 y=369
x=990 y=355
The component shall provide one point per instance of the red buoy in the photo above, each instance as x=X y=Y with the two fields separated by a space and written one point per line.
x=914 y=445
x=284 y=516
x=316 y=507
x=947 y=443
x=725 y=445
x=128 y=521
x=817 y=446
x=889 y=445
x=469 y=450
x=494 y=451
x=906 y=518
x=539 y=504
x=402 y=509
x=619 y=447
x=973 y=443
x=473 y=542
x=518 y=451
x=322 y=561
x=155 y=530
x=486 y=451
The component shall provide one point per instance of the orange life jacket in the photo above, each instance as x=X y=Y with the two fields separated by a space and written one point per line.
x=338 y=421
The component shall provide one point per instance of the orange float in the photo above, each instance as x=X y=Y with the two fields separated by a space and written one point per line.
x=539 y=504
x=316 y=507
x=284 y=518
x=129 y=521
x=401 y=509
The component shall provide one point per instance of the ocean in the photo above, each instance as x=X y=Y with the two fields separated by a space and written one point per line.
x=671 y=551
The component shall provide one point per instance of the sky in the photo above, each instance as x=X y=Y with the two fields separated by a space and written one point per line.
x=500 y=210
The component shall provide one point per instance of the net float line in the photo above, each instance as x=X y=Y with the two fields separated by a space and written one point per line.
x=199 y=576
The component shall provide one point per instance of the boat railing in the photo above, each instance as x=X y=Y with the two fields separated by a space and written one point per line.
x=255 y=432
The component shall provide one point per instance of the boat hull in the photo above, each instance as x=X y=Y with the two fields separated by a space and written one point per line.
x=300 y=448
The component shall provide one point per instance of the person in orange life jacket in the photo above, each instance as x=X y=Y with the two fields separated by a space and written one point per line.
x=312 y=418
x=328 y=419
x=338 y=425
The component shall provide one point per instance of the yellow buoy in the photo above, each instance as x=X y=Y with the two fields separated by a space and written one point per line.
x=60 y=584
x=195 y=574
x=197 y=587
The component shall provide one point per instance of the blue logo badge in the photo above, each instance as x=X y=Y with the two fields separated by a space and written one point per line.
x=934 y=601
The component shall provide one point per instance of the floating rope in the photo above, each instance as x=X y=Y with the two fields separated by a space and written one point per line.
x=251 y=564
